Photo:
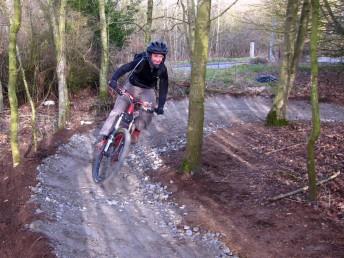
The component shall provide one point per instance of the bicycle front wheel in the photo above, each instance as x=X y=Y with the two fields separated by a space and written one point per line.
x=109 y=162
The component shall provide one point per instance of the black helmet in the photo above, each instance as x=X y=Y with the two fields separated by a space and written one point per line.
x=157 y=47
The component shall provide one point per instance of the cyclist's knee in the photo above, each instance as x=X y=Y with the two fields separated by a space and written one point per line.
x=140 y=124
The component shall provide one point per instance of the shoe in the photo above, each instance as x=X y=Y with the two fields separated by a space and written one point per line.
x=101 y=143
x=135 y=136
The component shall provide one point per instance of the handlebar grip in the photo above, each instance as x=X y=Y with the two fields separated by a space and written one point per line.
x=119 y=90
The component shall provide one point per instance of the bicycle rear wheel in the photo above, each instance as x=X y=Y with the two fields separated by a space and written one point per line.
x=110 y=162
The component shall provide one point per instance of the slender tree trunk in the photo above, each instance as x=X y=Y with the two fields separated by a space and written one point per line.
x=217 y=46
x=148 y=31
x=192 y=161
x=191 y=14
x=277 y=114
x=299 y=44
x=337 y=21
x=104 y=67
x=59 y=35
x=272 y=53
x=32 y=105
x=2 y=63
x=12 y=81
x=1 y=98
x=61 y=68
x=314 y=135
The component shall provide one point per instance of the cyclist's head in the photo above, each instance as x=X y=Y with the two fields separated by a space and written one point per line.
x=157 y=52
x=157 y=47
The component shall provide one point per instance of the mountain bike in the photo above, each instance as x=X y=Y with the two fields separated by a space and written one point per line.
x=110 y=157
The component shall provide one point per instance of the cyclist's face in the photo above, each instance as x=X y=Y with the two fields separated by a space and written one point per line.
x=157 y=58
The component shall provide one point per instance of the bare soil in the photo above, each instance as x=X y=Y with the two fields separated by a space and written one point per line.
x=15 y=183
x=331 y=85
x=243 y=167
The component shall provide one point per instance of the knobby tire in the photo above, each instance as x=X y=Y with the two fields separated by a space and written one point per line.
x=104 y=167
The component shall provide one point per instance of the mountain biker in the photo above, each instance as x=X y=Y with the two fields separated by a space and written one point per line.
x=146 y=68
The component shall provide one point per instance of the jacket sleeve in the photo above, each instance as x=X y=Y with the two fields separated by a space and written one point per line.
x=163 y=88
x=124 y=69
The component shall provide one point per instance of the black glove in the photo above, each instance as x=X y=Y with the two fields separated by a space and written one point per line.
x=159 y=110
x=113 y=84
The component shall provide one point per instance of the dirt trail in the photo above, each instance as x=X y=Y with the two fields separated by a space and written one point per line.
x=130 y=216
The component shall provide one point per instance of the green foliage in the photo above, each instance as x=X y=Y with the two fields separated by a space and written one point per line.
x=79 y=78
x=118 y=20
x=272 y=120
x=186 y=167
x=258 y=60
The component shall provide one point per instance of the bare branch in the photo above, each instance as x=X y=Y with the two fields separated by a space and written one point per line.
x=176 y=19
x=339 y=27
x=174 y=25
x=281 y=196
x=224 y=11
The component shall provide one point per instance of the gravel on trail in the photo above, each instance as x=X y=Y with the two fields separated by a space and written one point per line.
x=129 y=216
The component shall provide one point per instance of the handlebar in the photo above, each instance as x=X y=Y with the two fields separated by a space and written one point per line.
x=146 y=106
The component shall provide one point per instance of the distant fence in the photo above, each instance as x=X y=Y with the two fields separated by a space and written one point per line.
x=331 y=60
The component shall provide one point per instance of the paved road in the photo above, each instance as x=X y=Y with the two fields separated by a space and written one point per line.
x=220 y=65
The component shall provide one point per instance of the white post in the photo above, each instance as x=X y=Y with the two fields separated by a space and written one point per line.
x=252 y=49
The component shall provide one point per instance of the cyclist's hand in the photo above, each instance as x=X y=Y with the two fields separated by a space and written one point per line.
x=119 y=90
x=112 y=92
x=159 y=110
x=112 y=84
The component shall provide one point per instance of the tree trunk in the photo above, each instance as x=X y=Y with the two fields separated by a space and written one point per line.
x=61 y=68
x=32 y=105
x=192 y=161
x=217 y=46
x=338 y=24
x=314 y=135
x=59 y=32
x=191 y=14
x=148 y=30
x=104 y=67
x=299 y=44
x=277 y=114
x=272 y=53
x=1 y=98
x=12 y=81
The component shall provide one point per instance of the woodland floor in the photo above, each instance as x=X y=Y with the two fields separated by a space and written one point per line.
x=243 y=166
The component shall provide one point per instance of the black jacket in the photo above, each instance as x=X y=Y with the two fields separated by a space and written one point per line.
x=144 y=75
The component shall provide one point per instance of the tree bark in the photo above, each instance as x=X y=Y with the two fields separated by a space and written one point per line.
x=192 y=161
x=191 y=14
x=59 y=32
x=217 y=46
x=12 y=81
x=59 y=27
x=277 y=114
x=148 y=30
x=61 y=68
x=337 y=24
x=104 y=67
x=32 y=105
x=315 y=132
x=272 y=52
x=1 y=98
x=299 y=43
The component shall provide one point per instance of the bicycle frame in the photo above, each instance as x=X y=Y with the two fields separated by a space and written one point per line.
x=128 y=116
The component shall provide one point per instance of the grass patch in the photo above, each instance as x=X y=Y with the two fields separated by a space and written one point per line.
x=238 y=76
x=323 y=67
x=245 y=73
